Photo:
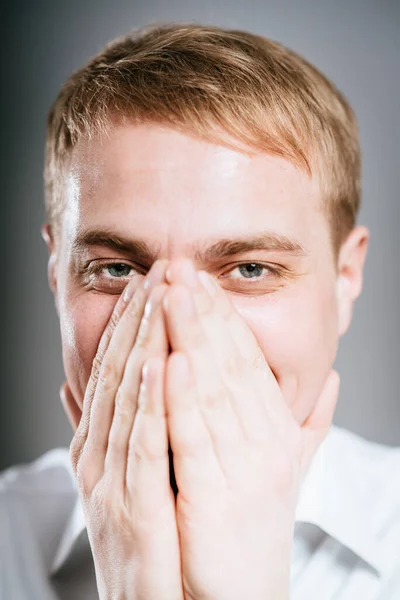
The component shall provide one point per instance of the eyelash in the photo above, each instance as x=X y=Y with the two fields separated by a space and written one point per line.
x=275 y=271
x=94 y=269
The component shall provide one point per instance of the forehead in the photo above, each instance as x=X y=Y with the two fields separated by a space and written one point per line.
x=174 y=189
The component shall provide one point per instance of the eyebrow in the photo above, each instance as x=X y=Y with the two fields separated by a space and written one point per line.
x=224 y=248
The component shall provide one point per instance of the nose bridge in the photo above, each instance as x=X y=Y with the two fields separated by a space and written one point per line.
x=179 y=245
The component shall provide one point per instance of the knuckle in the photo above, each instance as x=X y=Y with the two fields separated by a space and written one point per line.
x=233 y=366
x=106 y=512
x=98 y=503
x=142 y=337
x=210 y=400
x=196 y=337
x=103 y=508
x=140 y=453
x=102 y=499
x=113 y=322
x=123 y=405
x=108 y=374
x=96 y=366
x=81 y=475
x=134 y=308
x=87 y=473
x=215 y=399
x=75 y=451
x=120 y=401
x=259 y=360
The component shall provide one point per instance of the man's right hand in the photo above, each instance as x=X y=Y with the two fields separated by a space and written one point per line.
x=120 y=454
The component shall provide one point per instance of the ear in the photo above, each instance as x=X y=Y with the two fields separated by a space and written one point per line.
x=350 y=274
x=48 y=236
x=71 y=407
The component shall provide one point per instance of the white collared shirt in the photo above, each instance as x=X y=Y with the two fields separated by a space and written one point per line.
x=346 y=542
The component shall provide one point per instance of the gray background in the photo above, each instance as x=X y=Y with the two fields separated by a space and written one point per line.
x=356 y=43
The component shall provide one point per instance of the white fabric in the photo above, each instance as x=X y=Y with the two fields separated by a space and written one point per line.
x=346 y=543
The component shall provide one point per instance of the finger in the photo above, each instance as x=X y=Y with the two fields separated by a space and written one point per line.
x=182 y=271
x=249 y=388
x=97 y=361
x=112 y=366
x=212 y=301
x=108 y=367
x=247 y=365
x=209 y=312
x=148 y=482
x=319 y=422
x=213 y=398
x=151 y=341
x=248 y=379
x=81 y=434
x=195 y=465
x=147 y=477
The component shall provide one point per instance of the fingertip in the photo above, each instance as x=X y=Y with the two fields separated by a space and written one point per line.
x=151 y=368
x=164 y=266
x=168 y=274
x=321 y=416
x=62 y=393
x=208 y=283
x=172 y=296
x=335 y=384
x=337 y=375
x=166 y=300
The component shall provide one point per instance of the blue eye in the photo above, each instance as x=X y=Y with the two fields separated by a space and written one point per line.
x=251 y=270
x=108 y=277
x=119 y=269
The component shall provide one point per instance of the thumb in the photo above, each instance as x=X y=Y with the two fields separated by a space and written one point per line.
x=317 y=425
x=71 y=407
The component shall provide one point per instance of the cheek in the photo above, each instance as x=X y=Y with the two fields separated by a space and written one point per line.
x=83 y=318
x=298 y=336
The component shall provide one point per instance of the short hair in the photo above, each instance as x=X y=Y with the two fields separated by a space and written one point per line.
x=216 y=84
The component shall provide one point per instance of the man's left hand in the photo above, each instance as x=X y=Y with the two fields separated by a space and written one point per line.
x=239 y=455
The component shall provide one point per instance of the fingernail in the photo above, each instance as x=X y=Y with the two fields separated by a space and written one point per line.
x=145 y=373
x=128 y=292
x=152 y=302
x=168 y=275
x=208 y=282
x=155 y=275
x=131 y=288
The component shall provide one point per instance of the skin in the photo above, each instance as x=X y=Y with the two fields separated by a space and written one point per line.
x=180 y=194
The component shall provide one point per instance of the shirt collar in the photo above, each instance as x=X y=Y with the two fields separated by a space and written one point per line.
x=73 y=531
x=332 y=497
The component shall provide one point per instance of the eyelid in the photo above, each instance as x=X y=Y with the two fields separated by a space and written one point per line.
x=98 y=264
x=272 y=277
x=274 y=269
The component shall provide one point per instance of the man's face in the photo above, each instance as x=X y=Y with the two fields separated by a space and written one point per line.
x=180 y=197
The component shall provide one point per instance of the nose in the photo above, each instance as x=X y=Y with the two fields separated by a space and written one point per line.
x=180 y=269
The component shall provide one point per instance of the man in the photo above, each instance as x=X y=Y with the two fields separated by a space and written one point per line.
x=202 y=188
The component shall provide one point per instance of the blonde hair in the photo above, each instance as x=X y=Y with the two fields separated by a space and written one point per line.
x=213 y=83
